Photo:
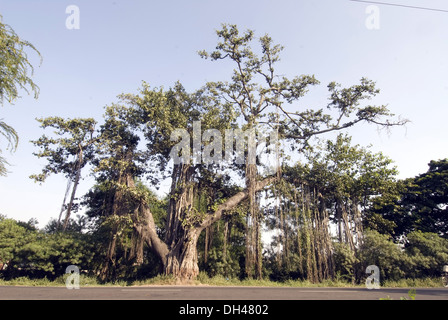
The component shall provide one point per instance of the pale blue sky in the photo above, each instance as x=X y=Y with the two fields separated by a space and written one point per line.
x=120 y=43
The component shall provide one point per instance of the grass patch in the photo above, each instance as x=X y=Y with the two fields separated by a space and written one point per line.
x=25 y=281
x=414 y=283
x=84 y=281
x=159 y=280
x=204 y=279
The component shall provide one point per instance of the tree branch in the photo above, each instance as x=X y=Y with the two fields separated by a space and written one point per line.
x=147 y=229
x=232 y=202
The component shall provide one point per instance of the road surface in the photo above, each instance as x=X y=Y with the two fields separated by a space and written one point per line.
x=213 y=293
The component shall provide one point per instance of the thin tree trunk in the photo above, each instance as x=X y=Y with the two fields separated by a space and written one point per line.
x=251 y=222
x=277 y=225
x=226 y=235
x=258 y=245
x=318 y=239
x=327 y=239
x=75 y=186
x=308 y=237
x=109 y=264
x=299 y=228
x=347 y=231
x=358 y=222
x=206 y=244
x=339 y=219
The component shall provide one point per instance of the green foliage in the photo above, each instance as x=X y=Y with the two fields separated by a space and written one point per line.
x=108 y=228
x=51 y=254
x=257 y=92
x=71 y=148
x=421 y=282
x=411 y=296
x=377 y=249
x=12 y=238
x=12 y=137
x=428 y=253
x=330 y=191
x=426 y=199
x=414 y=204
x=422 y=257
x=72 y=137
x=351 y=171
x=346 y=262
x=33 y=253
x=222 y=253
x=16 y=72
x=14 y=65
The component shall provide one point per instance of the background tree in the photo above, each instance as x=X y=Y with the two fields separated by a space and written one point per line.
x=426 y=200
x=415 y=204
x=322 y=200
x=428 y=253
x=33 y=253
x=15 y=75
x=67 y=153
x=12 y=236
x=379 y=250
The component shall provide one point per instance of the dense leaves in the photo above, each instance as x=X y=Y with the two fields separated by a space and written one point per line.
x=414 y=204
x=29 y=252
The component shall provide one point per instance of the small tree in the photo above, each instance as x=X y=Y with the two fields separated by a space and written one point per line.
x=428 y=253
x=379 y=250
x=67 y=153
x=33 y=253
x=12 y=238
x=415 y=204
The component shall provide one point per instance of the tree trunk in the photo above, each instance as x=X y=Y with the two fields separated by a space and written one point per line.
x=117 y=206
x=357 y=219
x=347 y=230
x=108 y=268
x=182 y=261
x=75 y=186
x=226 y=236
x=181 y=200
x=327 y=243
x=299 y=227
x=137 y=248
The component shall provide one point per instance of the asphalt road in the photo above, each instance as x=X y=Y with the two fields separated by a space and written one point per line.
x=213 y=293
